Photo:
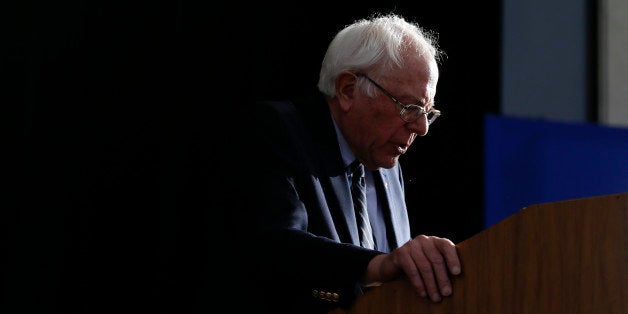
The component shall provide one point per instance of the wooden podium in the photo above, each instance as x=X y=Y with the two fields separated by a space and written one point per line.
x=560 y=257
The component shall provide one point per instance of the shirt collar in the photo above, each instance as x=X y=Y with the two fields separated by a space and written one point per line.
x=345 y=150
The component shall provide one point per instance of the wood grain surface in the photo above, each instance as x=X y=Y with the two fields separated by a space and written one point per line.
x=560 y=257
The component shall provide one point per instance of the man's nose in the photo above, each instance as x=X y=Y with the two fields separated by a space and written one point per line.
x=419 y=126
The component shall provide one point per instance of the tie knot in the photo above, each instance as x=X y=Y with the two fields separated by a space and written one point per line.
x=357 y=169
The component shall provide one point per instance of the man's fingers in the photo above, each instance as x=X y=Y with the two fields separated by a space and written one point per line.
x=440 y=275
x=448 y=250
x=420 y=249
x=428 y=262
x=405 y=261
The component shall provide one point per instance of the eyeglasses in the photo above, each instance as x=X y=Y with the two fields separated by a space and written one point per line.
x=408 y=113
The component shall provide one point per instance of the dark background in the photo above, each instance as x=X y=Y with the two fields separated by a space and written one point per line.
x=127 y=123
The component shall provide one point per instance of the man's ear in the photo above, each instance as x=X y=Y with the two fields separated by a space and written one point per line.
x=346 y=89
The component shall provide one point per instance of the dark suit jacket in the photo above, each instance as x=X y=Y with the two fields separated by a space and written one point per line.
x=299 y=200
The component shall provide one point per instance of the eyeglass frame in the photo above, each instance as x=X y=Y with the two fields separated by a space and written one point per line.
x=404 y=107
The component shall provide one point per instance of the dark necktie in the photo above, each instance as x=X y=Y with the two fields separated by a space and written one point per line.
x=358 y=193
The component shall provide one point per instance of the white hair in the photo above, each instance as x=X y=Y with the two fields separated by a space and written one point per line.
x=375 y=44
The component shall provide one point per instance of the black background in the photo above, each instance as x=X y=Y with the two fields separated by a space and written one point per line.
x=128 y=134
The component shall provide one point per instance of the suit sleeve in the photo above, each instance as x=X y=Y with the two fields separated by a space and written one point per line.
x=307 y=268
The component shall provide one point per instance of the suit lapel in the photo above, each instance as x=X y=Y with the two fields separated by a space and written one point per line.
x=393 y=208
x=340 y=185
x=331 y=170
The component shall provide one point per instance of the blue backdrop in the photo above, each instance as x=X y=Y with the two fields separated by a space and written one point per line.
x=530 y=161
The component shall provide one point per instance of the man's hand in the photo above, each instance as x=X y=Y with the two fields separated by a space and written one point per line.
x=427 y=261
